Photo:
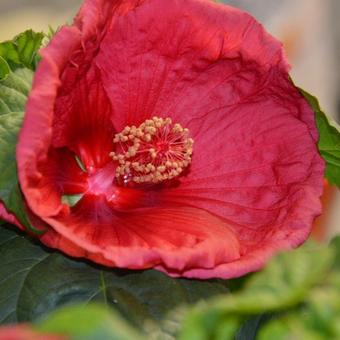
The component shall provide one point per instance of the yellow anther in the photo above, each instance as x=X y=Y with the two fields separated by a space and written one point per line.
x=177 y=128
x=150 y=129
x=147 y=137
x=155 y=151
x=151 y=167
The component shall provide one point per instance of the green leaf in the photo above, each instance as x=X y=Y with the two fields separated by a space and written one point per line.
x=90 y=323
x=35 y=282
x=10 y=193
x=4 y=68
x=283 y=284
x=17 y=256
x=22 y=50
x=14 y=91
x=51 y=32
x=329 y=141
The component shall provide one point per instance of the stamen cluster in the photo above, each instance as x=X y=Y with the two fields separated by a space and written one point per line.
x=153 y=152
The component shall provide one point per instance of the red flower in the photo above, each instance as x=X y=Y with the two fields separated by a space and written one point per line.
x=230 y=174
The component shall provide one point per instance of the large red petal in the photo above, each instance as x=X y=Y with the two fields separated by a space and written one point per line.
x=177 y=237
x=82 y=116
x=251 y=166
x=83 y=113
x=173 y=58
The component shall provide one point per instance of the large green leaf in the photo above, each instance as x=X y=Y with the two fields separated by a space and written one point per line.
x=35 y=282
x=329 y=142
x=14 y=91
x=13 y=95
x=4 y=68
x=22 y=50
x=10 y=193
x=91 y=323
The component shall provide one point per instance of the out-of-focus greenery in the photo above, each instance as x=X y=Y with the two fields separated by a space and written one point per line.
x=92 y=322
x=298 y=292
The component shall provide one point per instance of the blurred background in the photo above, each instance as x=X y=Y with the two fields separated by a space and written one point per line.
x=309 y=30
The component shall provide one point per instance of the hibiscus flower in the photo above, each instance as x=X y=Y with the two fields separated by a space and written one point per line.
x=178 y=128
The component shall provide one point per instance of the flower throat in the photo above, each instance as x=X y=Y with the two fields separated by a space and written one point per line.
x=153 y=152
